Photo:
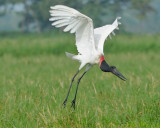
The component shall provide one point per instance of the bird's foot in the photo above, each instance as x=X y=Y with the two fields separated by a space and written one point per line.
x=64 y=103
x=73 y=103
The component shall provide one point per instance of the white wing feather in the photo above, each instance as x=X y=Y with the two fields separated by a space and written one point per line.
x=75 y=22
x=101 y=34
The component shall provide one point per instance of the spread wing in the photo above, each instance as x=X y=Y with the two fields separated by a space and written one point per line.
x=101 y=34
x=77 y=23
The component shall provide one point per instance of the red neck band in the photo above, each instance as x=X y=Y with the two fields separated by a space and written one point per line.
x=101 y=59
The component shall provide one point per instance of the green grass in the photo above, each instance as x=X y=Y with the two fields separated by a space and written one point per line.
x=35 y=75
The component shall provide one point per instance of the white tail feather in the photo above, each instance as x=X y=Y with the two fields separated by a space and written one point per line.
x=69 y=55
x=72 y=56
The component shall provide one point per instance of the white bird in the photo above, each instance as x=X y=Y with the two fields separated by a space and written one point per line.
x=89 y=41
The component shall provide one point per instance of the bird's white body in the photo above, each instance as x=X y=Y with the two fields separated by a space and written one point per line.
x=89 y=41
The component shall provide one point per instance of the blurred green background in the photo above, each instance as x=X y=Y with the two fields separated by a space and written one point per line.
x=35 y=74
x=139 y=16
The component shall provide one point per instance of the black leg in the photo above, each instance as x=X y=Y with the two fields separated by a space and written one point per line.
x=74 y=100
x=65 y=101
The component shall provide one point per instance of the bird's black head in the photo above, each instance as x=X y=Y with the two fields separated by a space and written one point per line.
x=106 y=68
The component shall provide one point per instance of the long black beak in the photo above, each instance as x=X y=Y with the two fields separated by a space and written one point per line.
x=118 y=74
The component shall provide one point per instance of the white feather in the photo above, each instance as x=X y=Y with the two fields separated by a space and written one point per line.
x=74 y=28
x=77 y=26
x=113 y=33
x=57 y=18
x=60 y=22
x=71 y=25
x=103 y=33
x=78 y=23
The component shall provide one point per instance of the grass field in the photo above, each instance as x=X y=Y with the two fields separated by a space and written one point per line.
x=35 y=76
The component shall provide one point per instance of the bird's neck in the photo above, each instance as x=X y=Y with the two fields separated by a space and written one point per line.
x=101 y=59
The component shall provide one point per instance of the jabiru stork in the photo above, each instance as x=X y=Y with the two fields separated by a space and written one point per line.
x=89 y=41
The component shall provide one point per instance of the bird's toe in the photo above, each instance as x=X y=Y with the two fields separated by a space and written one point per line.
x=73 y=104
x=64 y=103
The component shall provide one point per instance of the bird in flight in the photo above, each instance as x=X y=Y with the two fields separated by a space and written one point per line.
x=89 y=41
